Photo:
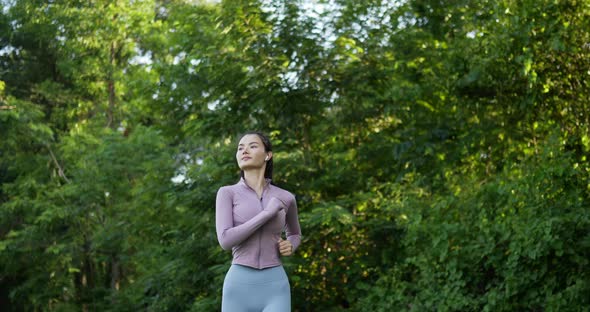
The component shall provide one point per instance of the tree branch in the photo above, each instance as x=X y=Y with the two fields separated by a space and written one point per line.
x=60 y=170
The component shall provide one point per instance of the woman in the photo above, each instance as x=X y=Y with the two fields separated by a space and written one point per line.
x=250 y=217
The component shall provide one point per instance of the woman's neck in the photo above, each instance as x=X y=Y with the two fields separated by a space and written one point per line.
x=255 y=179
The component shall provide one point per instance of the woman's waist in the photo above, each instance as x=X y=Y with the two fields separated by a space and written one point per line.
x=245 y=274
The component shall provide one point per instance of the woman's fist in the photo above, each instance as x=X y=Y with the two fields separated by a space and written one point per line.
x=285 y=247
x=275 y=205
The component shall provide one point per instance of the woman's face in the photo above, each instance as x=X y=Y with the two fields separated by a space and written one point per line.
x=251 y=153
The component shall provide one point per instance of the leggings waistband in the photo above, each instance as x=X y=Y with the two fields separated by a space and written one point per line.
x=246 y=275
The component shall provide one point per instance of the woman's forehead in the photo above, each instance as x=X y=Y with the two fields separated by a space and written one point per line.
x=250 y=138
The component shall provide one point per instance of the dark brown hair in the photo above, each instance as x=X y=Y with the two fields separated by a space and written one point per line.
x=267 y=148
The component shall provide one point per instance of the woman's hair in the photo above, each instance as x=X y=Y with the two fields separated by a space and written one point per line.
x=267 y=148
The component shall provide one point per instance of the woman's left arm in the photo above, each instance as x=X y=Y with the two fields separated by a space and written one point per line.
x=293 y=229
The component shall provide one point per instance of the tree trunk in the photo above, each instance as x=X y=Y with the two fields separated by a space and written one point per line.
x=115 y=272
x=84 y=280
x=111 y=86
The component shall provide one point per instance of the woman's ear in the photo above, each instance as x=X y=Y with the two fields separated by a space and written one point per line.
x=268 y=156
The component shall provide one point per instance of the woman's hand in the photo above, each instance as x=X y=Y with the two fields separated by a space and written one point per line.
x=285 y=247
x=275 y=205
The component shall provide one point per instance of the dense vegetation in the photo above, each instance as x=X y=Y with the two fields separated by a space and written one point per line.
x=438 y=150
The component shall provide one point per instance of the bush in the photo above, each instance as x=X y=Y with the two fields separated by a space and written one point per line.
x=517 y=243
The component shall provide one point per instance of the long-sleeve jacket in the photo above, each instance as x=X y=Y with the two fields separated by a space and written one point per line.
x=251 y=226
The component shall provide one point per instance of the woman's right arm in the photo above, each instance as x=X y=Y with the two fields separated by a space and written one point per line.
x=229 y=235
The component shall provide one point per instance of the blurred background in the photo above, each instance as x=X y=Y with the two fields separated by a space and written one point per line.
x=438 y=150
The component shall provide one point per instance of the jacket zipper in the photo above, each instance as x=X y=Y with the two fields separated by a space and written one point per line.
x=260 y=230
x=260 y=233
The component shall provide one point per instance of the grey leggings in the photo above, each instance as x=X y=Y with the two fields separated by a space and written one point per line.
x=247 y=289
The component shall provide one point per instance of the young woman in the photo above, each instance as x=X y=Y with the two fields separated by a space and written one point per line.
x=250 y=217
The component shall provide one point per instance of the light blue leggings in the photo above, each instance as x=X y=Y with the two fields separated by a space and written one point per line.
x=247 y=289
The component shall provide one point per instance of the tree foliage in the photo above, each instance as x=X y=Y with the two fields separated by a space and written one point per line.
x=438 y=150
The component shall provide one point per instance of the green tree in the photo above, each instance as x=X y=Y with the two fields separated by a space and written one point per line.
x=438 y=150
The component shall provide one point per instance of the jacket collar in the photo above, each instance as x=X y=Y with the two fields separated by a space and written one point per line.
x=243 y=183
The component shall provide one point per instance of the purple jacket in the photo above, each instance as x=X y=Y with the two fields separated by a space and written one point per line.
x=252 y=226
